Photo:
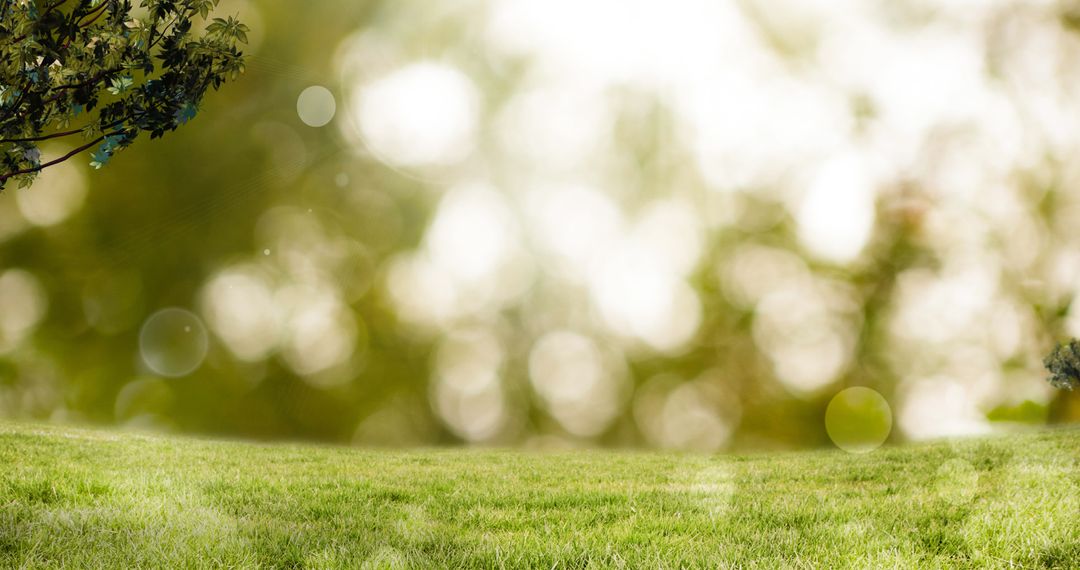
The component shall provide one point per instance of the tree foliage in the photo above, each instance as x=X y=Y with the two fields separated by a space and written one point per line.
x=1064 y=365
x=103 y=71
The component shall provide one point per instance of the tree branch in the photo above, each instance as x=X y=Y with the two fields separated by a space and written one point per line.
x=57 y=91
x=81 y=25
x=43 y=137
x=91 y=81
x=4 y=177
x=154 y=41
x=112 y=125
x=48 y=9
x=52 y=7
x=100 y=10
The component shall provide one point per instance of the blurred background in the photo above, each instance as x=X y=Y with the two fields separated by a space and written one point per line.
x=685 y=224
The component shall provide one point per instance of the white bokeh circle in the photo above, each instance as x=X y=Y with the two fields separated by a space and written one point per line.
x=316 y=106
x=173 y=342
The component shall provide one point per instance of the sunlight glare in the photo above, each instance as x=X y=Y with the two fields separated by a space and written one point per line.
x=836 y=215
x=420 y=115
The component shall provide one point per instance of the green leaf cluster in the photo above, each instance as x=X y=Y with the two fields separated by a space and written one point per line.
x=1064 y=365
x=105 y=71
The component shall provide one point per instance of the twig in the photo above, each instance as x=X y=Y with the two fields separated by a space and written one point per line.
x=42 y=138
x=4 y=177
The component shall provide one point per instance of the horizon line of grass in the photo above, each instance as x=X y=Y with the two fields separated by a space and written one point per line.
x=92 y=498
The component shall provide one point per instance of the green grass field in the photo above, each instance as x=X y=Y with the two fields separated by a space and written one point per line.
x=78 y=498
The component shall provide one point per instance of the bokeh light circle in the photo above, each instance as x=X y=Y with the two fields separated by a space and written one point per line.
x=316 y=106
x=57 y=194
x=858 y=419
x=143 y=398
x=424 y=114
x=173 y=342
x=571 y=375
x=23 y=303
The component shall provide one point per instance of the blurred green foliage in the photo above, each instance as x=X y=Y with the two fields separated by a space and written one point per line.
x=609 y=248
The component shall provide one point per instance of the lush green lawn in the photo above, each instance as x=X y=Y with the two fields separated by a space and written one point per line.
x=95 y=499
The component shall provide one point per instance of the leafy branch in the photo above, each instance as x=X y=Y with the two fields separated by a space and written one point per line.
x=40 y=167
x=93 y=63
x=1064 y=365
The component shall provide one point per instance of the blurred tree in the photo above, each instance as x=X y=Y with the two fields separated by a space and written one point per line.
x=1064 y=365
x=91 y=68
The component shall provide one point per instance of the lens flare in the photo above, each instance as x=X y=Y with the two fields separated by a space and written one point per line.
x=173 y=342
